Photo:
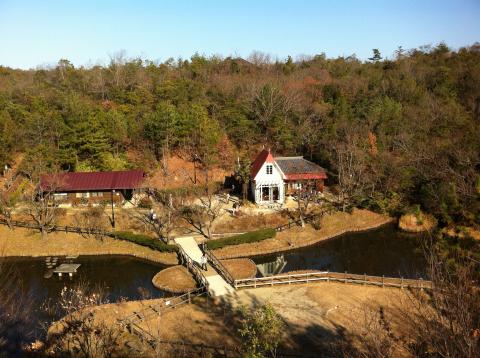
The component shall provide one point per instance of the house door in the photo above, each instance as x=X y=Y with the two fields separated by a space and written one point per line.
x=275 y=193
x=265 y=193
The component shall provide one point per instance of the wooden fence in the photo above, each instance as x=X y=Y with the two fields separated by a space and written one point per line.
x=132 y=323
x=156 y=310
x=192 y=266
x=333 y=276
x=53 y=228
x=217 y=264
x=186 y=349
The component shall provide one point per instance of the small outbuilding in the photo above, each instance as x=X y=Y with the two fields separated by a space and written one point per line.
x=93 y=188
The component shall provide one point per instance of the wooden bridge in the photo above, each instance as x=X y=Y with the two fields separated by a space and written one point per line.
x=215 y=282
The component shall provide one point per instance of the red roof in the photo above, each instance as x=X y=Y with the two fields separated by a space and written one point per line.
x=127 y=179
x=305 y=176
x=262 y=157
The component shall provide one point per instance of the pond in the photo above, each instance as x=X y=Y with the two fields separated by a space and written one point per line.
x=383 y=251
x=119 y=277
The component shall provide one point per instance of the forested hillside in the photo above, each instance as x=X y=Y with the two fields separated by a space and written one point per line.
x=392 y=133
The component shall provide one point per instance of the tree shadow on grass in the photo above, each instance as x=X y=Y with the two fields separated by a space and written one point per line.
x=299 y=341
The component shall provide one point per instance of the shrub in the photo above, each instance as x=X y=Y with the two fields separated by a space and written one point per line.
x=144 y=240
x=252 y=236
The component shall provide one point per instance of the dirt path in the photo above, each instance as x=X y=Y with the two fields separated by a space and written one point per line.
x=331 y=226
x=24 y=242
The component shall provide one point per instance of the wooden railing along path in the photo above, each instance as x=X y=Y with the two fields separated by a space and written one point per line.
x=192 y=267
x=332 y=276
x=156 y=310
x=53 y=228
x=132 y=323
x=217 y=264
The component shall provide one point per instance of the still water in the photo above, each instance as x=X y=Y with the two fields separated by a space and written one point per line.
x=383 y=251
x=119 y=277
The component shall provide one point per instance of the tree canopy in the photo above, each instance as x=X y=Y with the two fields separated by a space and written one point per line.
x=411 y=124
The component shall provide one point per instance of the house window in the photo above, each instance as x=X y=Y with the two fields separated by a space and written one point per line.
x=97 y=193
x=269 y=169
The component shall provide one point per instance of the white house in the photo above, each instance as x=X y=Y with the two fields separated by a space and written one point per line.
x=273 y=178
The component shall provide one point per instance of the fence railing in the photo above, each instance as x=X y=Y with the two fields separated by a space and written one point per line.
x=53 y=228
x=217 y=264
x=192 y=267
x=333 y=276
x=158 y=309
x=132 y=322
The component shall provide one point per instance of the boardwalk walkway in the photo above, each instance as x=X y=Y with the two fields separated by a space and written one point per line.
x=217 y=286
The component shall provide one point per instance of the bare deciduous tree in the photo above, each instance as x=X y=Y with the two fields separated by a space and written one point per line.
x=6 y=208
x=42 y=212
x=41 y=206
x=79 y=332
x=202 y=213
x=351 y=168
x=15 y=312
x=162 y=218
x=305 y=194
x=92 y=218
x=441 y=322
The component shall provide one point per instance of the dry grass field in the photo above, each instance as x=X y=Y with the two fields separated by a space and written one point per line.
x=316 y=316
x=24 y=242
x=331 y=225
x=176 y=279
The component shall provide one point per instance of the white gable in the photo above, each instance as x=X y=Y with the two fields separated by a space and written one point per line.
x=264 y=177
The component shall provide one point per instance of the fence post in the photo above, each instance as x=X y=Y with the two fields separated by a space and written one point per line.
x=383 y=281
x=345 y=277
x=328 y=275
x=401 y=282
x=421 y=283
x=189 y=299
x=364 y=279
x=271 y=281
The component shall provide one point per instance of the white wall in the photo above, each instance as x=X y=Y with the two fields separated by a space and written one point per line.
x=262 y=178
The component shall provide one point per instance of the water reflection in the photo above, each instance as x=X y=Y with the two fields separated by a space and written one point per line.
x=118 y=276
x=274 y=267
x=384 y=251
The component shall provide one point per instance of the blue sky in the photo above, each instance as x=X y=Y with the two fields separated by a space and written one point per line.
x=89 y=31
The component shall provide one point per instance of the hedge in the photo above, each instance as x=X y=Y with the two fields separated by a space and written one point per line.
x=144 y=240
x=252 y=236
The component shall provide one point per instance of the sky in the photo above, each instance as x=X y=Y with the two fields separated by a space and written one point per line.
x=89 y=32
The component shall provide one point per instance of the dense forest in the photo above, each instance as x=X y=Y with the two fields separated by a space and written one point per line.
x=392 y=133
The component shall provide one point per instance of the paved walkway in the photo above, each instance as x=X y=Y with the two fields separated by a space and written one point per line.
x=217 y=286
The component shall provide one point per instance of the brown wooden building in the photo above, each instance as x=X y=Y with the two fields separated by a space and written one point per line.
x=93 y=188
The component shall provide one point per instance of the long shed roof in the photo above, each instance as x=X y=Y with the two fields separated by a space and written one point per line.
x=298 y=168
x=83 y=181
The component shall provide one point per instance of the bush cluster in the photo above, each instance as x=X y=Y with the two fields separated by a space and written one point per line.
x=252 y=236
x=144 y=240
